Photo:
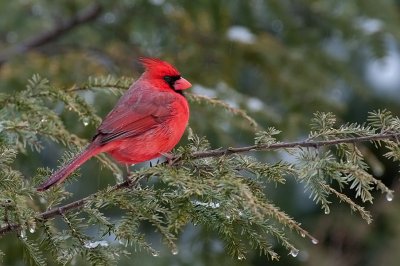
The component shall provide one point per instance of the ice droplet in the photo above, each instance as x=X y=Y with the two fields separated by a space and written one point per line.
x=22 y=234
x=32 y=229
x=303 y=234
x=327 y=211
x=85 y=121
x=155 y=253
x=175 y=251
x=314 y=241
x=389 y=196
x=241 y=257
x=294 y=252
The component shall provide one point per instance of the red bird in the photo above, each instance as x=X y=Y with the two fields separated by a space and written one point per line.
x=148 y=121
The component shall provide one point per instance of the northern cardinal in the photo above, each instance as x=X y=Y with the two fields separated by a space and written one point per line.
x=147 y=122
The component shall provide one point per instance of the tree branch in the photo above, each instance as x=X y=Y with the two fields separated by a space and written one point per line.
x=285 y=145
x=83 y=16
x=75 y=205
x=204 y=154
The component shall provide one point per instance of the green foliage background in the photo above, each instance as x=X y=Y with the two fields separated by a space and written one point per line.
x=303 y=56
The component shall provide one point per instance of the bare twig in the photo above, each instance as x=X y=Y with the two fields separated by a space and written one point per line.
x=204 y=154
x=85 y=15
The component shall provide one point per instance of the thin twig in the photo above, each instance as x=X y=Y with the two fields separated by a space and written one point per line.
x=85 y=15
x=211 y=153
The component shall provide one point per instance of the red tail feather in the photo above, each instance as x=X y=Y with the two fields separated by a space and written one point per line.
x=64 y=172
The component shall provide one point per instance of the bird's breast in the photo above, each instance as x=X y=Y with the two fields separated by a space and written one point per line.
x=157 y=141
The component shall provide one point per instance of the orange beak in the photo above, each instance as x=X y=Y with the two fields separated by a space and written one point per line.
x=182 y=84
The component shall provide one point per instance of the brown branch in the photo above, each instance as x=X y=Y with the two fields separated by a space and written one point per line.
x=286 y=145
x=75 y=205
x=83 y=16
x=204 y=154
x=79 y=203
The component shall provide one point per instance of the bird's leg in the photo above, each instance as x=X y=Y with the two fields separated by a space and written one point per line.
x=170 y=158
x=154 y=164
x=127 y=172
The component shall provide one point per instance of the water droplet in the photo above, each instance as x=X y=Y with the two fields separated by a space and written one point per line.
x=22 y=234
x=175 y=251
x=327 y=211
x=69 y=108
x=314 y=241
x=303 y=234
x=228 y=217
x=32 y=229
x=294 y=252
x=43 y=120
x=389 y=196
x=155 y=253
x=85 y=121
x=241 y=257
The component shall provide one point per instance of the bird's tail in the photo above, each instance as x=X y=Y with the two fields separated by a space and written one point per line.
x=60 y=175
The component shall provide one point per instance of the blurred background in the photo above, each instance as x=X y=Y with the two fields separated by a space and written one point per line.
x=280 y=60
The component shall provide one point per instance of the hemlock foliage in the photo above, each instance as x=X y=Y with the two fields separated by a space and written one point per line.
x=260 y=69
x=225 y=193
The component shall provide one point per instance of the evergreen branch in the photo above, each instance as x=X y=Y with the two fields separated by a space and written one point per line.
x=355 y=207
x=218 y=103
x=78 y=204
x=203 y=154
x=295 y=144
x=85 y=15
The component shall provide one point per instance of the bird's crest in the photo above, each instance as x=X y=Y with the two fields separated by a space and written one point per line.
x=157 y=66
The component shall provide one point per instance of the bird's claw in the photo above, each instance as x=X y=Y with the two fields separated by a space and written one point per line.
x=171 y=159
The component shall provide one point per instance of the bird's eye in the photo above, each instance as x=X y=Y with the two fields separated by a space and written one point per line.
x=168 y=79
x=171 y=80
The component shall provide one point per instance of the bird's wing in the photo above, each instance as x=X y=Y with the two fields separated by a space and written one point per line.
x=134 y=115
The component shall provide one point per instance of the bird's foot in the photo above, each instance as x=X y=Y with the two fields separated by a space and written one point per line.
x=170 y=158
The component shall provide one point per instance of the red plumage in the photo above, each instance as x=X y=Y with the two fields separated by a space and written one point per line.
x=148 y=121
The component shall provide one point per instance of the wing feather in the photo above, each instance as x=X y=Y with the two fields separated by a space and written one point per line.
x=134 y=115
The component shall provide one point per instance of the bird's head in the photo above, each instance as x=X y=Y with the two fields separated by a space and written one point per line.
x=164 y=74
